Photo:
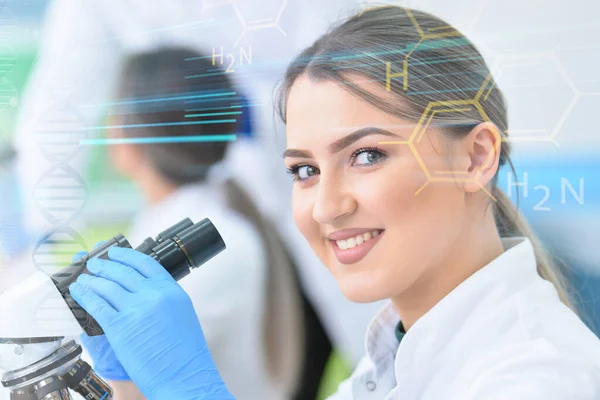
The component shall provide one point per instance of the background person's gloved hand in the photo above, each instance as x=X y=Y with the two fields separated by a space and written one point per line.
x=104 y=359
x=151 y=325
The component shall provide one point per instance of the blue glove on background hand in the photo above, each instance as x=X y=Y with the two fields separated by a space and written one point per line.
x=104 y=359
x=151 y=325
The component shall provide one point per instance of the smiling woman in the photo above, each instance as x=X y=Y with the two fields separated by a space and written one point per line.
x=395 y=134
x=395 y=190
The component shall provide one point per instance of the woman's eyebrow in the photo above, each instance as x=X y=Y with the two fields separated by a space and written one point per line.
x=346 y=141
x=297 y=153
x=342 y=143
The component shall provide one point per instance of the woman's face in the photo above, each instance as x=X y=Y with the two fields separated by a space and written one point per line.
x=355 y=200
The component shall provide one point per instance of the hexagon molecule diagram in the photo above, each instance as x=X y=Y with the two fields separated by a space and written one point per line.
x=450 y=106
x=251 y=16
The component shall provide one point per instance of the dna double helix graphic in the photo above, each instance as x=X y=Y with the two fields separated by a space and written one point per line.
x=61 y=193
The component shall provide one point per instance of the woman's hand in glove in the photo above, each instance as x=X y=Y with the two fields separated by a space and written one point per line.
x=105 y=361
x=151 y=325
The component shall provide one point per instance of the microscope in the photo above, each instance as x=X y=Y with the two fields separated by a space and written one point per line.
x=39 y=313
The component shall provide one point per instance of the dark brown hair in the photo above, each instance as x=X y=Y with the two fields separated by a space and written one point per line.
x=158 y=92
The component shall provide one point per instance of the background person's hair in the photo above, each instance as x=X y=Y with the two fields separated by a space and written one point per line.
x=156 y=88
x=167 y=73
x=444 y=66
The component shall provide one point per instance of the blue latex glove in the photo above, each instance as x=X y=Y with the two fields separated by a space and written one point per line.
x=105 y=361
x=151 y=325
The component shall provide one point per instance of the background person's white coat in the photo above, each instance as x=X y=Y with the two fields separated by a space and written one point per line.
x=228 y=291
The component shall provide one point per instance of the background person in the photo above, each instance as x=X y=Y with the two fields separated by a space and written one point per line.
x=181 y=176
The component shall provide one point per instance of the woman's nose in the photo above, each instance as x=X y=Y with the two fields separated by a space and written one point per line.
x=333 y=202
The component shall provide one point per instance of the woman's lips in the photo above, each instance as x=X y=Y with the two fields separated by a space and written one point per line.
x=357 y=253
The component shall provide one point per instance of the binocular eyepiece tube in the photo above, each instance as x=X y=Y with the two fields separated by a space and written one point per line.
x=179 y=249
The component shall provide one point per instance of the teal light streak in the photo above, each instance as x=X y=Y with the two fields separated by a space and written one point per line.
x=207 y=74
x=443 y=91
x=412 y=63
x=158 y=140
x=433 y=44
x=213 y=114
x=197 y=58
x=212 y=108
x=215 y=121
x=196 y=96
x=223 y=108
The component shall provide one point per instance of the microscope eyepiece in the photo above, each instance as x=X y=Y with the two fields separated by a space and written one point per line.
x=201 y=242
x=174 y=230
x=188 y=248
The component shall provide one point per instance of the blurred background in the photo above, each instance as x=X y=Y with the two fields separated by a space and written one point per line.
x=545 y=56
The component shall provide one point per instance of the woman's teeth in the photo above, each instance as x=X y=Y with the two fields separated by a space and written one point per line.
x=357 y=240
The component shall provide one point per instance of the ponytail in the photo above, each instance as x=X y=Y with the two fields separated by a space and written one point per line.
x=511 y=223
x=283 y=335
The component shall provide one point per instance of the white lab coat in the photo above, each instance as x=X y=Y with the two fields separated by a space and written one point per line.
x=83 y=45
x=227 y=291
x=502 y=334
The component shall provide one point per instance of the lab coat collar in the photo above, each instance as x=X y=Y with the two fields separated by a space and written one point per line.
x=426 y=339
x=381 y=342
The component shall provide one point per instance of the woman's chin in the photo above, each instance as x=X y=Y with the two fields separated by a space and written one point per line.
x=360 y=292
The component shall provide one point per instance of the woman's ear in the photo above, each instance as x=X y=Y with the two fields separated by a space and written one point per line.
x=483 y=145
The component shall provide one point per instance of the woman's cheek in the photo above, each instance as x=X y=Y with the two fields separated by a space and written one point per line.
x=385 y=191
